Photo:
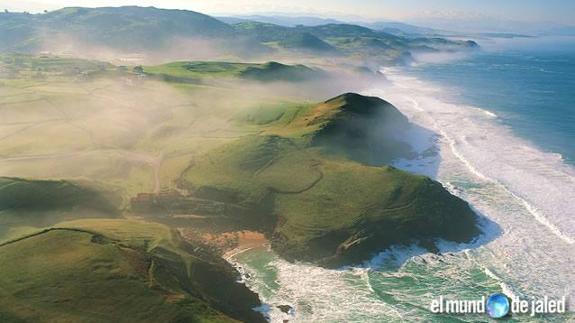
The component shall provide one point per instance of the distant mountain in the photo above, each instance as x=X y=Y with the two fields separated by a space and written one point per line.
x=17 y=31
x=285 y=21
x=182 y=34
x=399 y=28
x=341 y=30
x=130 y=28
x=284 y=37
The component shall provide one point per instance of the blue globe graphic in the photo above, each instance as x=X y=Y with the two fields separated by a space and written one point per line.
x=497 y=305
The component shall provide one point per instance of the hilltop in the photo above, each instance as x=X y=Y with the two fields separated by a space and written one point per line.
x=267 y=72
x=306 y=184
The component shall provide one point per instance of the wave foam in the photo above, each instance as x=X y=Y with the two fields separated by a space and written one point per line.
x=540 y=181
x=529 y=193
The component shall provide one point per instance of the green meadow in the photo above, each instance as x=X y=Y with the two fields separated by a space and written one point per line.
x=116 y=271
x=100 y=164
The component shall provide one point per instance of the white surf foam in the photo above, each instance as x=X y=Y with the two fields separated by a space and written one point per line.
x=320 y=295
x=540 y=181
x=527 y=191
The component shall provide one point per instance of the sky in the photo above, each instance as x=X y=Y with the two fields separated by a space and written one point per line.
x=430 y=11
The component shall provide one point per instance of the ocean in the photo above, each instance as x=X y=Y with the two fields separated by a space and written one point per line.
x=502 y=124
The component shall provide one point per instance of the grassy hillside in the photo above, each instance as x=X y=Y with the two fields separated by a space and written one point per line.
x=106 y=124
x=317 y=203
x=366 y=129
x=29 y=195
x=117 y=271
x=274 y=71
x=284 y=37
x=195 y=72
x=26 y=204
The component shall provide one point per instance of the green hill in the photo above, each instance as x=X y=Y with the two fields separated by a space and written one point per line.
x=316 y=197
x=305 y=42
x=196 y=72
x=347 y=40
x=26 y=205
x=117 y=271
x=283 y=37
x=18 y=32
x=274 y=71
x=33 y=195
x=124 y=28
x=366 y=129
x=341 y=30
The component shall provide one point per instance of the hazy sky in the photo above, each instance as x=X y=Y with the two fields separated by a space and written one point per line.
x=560 y=11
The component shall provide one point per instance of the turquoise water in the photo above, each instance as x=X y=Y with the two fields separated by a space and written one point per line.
x=502 y=123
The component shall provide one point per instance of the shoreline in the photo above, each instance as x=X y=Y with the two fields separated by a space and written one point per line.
x=247 y=240
x=225 y=244
x=474 y=145
x=494 y=169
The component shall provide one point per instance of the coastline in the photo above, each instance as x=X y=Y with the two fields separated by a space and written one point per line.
x=474 y=146
x=494 y=170
x=246 y=240
x=226 y=244
x=499 y=258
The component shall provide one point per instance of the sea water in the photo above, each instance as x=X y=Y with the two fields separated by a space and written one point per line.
x=502 y=126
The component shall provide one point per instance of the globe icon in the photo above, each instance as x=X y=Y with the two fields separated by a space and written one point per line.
x=497 y=305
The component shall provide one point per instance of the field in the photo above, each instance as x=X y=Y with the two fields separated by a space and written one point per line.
x=123 y=131
x=79 y=139
x=116 y=270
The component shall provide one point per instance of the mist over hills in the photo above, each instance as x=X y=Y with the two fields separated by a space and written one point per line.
x=146 y=30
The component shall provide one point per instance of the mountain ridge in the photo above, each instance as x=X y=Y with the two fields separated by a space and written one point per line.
x=152 y=30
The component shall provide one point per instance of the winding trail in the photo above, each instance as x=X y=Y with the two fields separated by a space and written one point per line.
x=46 y=231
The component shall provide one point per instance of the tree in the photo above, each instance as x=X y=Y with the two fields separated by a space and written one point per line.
x=138 y=69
